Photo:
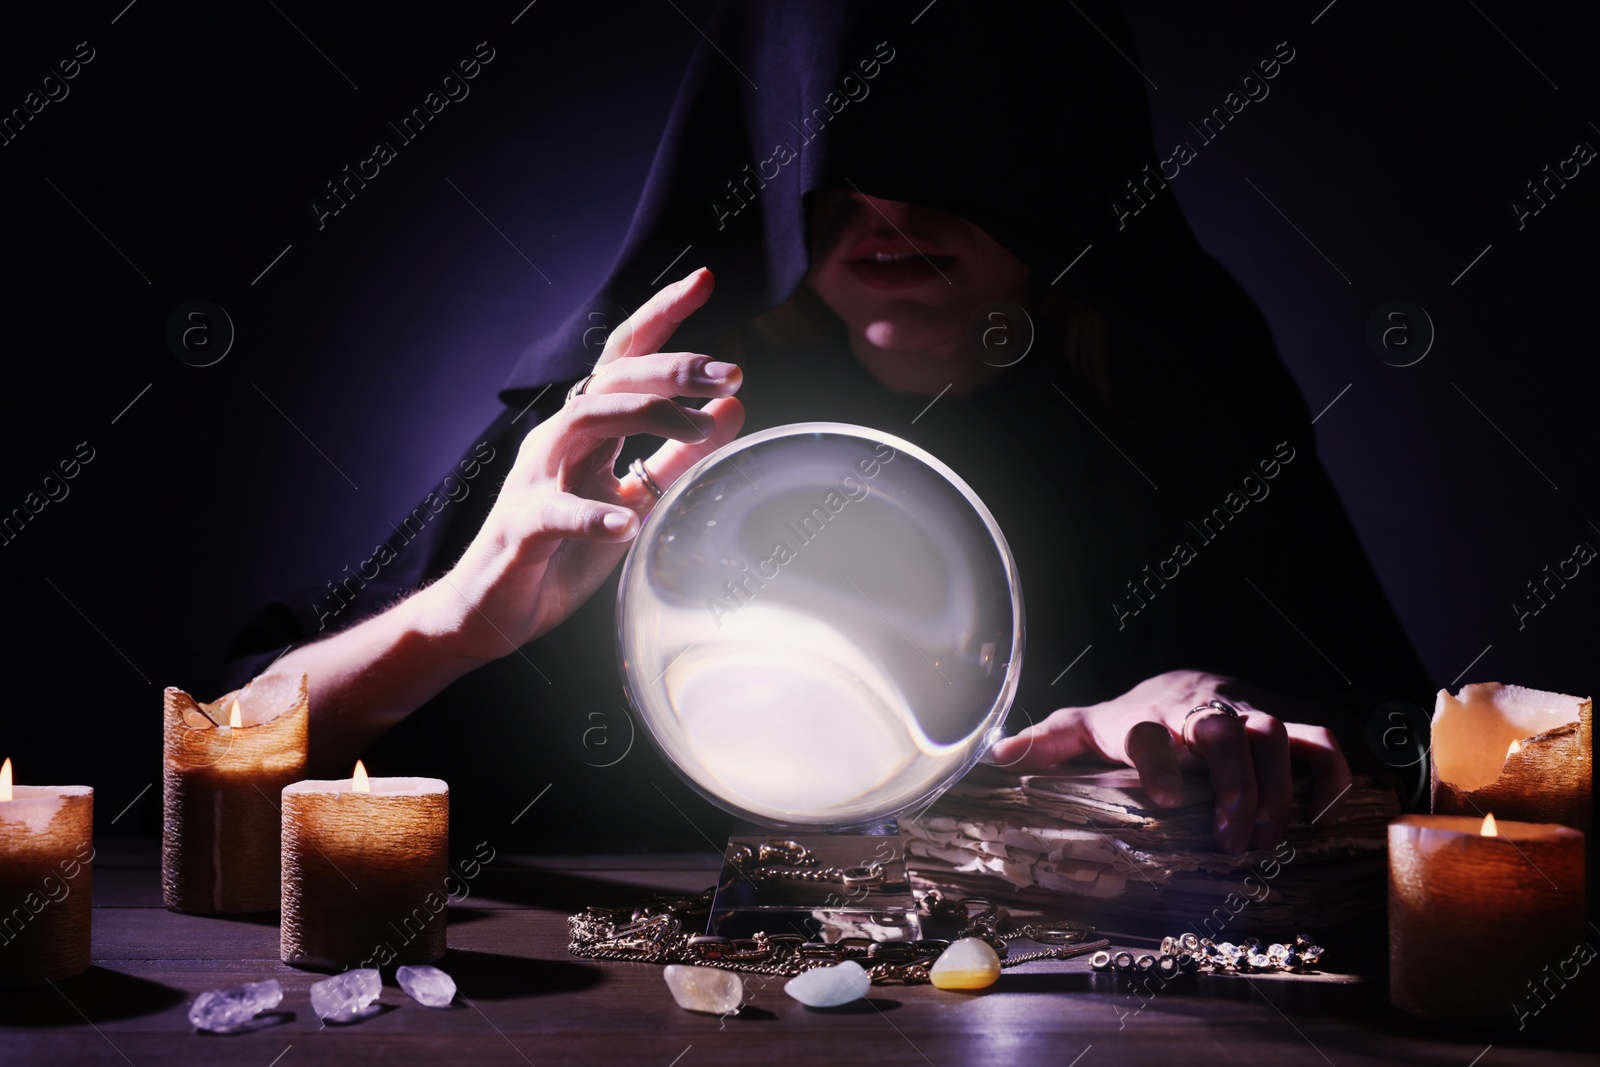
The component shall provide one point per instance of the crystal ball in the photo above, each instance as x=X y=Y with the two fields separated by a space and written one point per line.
x=820 y=625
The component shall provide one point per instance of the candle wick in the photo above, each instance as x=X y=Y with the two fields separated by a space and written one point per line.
x=198 y=707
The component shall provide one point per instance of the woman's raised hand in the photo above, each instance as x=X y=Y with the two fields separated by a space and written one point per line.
x=563 y=517
x=1249 y=758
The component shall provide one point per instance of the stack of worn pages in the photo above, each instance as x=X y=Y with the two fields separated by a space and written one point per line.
x=1093 y=846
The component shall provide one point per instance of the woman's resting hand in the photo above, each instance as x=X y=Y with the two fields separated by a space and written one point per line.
x=1249 y=758
x=563 y=517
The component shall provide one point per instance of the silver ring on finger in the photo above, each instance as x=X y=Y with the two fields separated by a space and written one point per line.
x=1211 y=705
x=579 y=387
x=1214 y=705
x=637 y=469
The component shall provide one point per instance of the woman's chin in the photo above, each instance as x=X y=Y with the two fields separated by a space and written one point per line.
x=924 y=371
x=915 y=339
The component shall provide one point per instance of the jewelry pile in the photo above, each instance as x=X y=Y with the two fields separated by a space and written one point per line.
x=1188 y=954
x=661 y=931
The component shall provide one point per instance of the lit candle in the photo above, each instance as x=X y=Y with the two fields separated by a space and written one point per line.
x=46 y=847
x=225 y=765
x=364 y=868
x=1478 y=908
x=1521 y=753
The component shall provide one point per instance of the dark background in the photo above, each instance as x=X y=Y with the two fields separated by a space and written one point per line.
x=367 y=357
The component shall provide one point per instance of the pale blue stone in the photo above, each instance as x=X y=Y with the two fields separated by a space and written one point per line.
x=829 y=987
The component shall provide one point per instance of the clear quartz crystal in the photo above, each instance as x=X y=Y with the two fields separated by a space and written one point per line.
x=1228 y=951
x=707 y=989
x=427 y=985
x=231 y=1008
x=345 y=996
x=1278 y=952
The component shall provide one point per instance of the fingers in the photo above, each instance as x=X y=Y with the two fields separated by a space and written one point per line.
x=620 y=414
x=1269 y=752
x=672 y=459
x=553 y=517
x=1330 y=773
x=1152 y=751
x=668 y=374
x=1250 y=760
x=1251 y=763
x=1220 y=740
x=648 y=329
x=1062 y=736
x=569 y=438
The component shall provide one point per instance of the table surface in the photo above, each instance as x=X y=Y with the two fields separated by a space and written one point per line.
x=526 y=1001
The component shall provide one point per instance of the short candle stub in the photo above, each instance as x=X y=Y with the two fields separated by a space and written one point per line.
x=1451 y=878
x=364 y=872
x=46 y=882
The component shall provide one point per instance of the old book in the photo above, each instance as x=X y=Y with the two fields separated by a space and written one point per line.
x=1093 y=847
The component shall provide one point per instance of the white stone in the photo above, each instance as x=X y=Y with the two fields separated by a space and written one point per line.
x=427 y=985
x=829 y=987
x=705 y=989
x=231 y=1008
x=345 y=996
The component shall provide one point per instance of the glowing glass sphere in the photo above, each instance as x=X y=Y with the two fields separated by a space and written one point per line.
x=820 y=625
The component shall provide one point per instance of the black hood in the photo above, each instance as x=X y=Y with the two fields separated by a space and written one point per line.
x=1026 y=119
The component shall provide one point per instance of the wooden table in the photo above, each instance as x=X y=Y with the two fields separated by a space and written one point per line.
x=525 y=1001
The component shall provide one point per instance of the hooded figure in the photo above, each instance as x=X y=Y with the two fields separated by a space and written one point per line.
x=1140 y=443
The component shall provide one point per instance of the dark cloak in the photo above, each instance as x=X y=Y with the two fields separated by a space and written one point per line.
x=1148 y=531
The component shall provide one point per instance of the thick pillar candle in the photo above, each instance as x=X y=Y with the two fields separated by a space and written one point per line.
x=1476 y=913
x=1521 y=753
x=364 y=868
x=46 y=846
x=225 y=765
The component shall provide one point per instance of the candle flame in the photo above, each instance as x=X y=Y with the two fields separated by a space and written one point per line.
x=1516 y=746
x=1488 y=826
x=358 y=781
x=233 y=714
x=5 y=780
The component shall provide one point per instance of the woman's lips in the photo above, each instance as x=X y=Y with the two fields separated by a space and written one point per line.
x=899 y=269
